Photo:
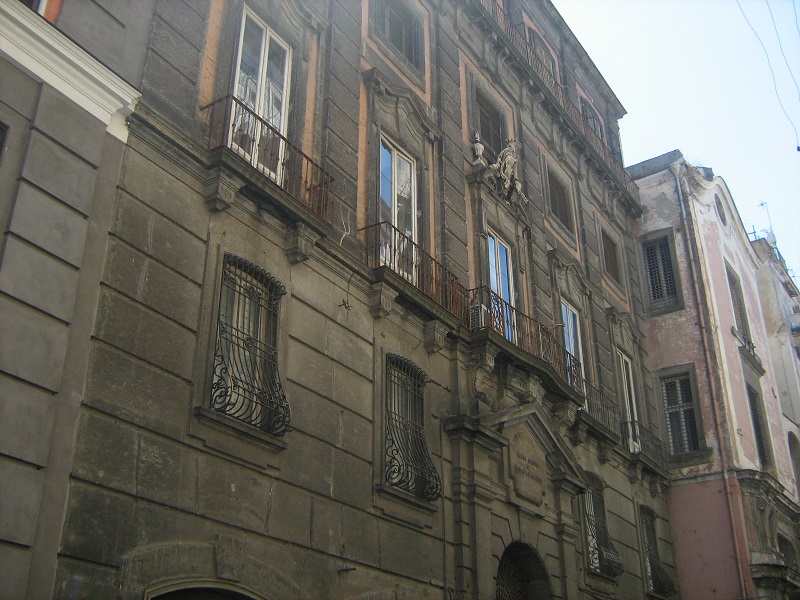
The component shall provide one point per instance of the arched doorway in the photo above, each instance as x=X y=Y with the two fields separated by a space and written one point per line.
x=521 y=575
x=201 y=593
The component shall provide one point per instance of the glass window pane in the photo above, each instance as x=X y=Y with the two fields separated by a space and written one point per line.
x=505 y=280
x=276 y=77
x=250 y=63
x=386 y=183
x=405 y=205
x=493 y=279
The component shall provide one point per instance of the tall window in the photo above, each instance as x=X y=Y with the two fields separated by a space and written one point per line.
x=501 y=284
x=657 y=580
x=611 y=257
x=401 y=27
x=739 y=312
x=572 y=343
x=592 y=118
x=629 y=398
x=490 y=125
x=760 y=428
x=559 y=201
x=245 y=381
x=603 y=556
x=660 y=275
x=681 y=417
x=408 y=464
x=397 y=208
x=261 y=89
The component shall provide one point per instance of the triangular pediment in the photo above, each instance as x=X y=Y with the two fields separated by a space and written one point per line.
x=537 y=453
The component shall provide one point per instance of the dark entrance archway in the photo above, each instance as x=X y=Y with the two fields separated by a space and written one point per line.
x=521 y=575
x=202 y=593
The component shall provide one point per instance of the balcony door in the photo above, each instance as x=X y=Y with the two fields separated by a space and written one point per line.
x=570 y=319
x=261 y=90
x=629 y=397
x=501 y=284
x=397 y=211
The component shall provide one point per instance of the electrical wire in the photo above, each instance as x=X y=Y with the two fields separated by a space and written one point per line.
x=771 y=70
x=780 y=45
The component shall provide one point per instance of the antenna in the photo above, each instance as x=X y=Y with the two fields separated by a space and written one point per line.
x=769 y=219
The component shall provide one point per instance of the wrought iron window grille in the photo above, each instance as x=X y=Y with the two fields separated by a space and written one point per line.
x=408 y=463
x=603 y=556
x=657 y=578
x=246 y=384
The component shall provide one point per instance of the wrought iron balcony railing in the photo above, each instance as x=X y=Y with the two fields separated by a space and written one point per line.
x=545 y=75
x=602 y=409
x=232 y=124
x=481 y=308
x=640 y=440
x=390 y=247
x=489 y=310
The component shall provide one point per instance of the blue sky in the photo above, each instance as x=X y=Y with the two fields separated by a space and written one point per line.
x=694 y=77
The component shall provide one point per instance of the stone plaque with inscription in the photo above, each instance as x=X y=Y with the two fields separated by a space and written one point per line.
x=527 y=468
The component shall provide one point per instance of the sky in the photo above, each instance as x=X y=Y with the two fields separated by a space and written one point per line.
x=693 y=76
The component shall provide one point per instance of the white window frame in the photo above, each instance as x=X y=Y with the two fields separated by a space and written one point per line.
x=573 y=342
x=504 y=318
x=629 y=397
x=403 y=260
x=268 y=36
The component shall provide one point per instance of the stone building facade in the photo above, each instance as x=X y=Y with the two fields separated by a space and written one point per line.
x=719 y=311
x=321 y=299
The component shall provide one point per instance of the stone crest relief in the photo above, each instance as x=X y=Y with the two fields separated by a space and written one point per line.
x=528 y=468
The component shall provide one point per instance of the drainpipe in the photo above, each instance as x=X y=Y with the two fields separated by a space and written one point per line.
x=723 y=441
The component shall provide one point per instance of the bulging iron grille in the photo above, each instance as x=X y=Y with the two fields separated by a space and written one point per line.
x=408 y=463
x=603 y=556
x=246 y=384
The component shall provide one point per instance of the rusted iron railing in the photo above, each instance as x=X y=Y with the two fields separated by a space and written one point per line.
x=547 y=78
x=390 y=247
x=232 y=124
x=602 y=409
x=641 y=440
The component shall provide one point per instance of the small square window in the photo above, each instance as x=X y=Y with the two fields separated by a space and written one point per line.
x=400 y=27
x=559 y=201
x=611 y=257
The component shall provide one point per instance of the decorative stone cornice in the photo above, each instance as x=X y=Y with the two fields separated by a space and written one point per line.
x=48 y=56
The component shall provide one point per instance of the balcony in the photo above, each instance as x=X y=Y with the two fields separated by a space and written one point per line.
x=389 y=247
x=257 y=152
x=643 y=442
x=555 y=92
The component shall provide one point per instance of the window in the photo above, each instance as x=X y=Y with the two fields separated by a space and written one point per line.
x=397 y=208
x=3 y=132
x=490 y=125
x=559 y=201
x=660 y=275
x=631 y=426
x=572 y=344
x=786 y=548
x=680 y=411
x=541 y=51
x=602 y=555
x=760 y=428
x=501 y=284
x=245 y=382
x=611 y=257
x=400 y=27
x=592 y=118
x=262 y=92
x=739 y=312
x=657 y=580
x=408 y=464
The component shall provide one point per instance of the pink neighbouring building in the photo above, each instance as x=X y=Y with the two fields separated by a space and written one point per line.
x=721 y=331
